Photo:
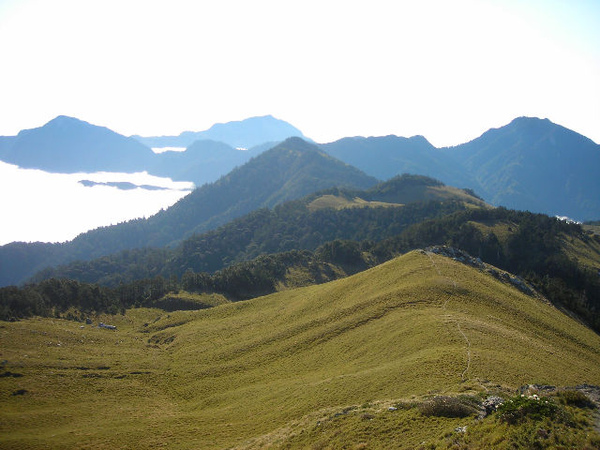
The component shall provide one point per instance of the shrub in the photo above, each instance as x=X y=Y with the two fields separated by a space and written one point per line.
x=522 y=407
x=575 y=398
x=443 y=406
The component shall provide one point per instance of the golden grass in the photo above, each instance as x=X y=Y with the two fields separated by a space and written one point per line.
x=221 y=377
x=339 y=202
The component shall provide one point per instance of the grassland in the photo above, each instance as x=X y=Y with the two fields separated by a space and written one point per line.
x=409 y=194
x=340 y=202
x=270 y=370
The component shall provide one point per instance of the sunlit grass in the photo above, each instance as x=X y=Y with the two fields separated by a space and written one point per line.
x=420 y=325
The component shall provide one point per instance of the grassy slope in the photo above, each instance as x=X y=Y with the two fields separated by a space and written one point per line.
x=339 y=202
x=214 y=378
x=409 y=194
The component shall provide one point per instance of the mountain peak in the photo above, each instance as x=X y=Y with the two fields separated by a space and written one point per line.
x=420 y=139
x=529 y=119
x=552 y=169
x=531 y=123
x=66 y=144
x=65 y=119
x=299 y=143
x=59 y=122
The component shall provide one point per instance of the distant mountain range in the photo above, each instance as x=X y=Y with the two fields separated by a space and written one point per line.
x=69 y=145
x=529 y=164
x=238 y=134
x=288 y=171
x=386 y=156
x=534 y=164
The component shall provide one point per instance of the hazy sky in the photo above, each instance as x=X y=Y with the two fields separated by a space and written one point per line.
x=448 y=70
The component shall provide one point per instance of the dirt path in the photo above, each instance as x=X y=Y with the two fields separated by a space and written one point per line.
x=444 y=307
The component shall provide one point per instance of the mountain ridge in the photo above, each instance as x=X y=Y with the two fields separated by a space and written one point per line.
x=386 y=156
x=290 y=170
x=298 y=225
x=528 y=164
x=245 y=133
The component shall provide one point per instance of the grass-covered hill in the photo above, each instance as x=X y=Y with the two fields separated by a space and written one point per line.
x=562 y=259
x=375 y=360
x=288 y=171
x=261 y=254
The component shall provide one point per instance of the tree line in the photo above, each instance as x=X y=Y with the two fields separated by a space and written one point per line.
x=531 y=246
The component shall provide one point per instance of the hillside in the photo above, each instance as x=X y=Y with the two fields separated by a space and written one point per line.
x=369 y=215
x=204 y=161
x=245 y=133
x=536 y=165
x=288 y=171
x=291 y=368
x=560 y=258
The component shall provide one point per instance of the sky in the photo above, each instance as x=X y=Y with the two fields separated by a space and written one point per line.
x=447 y=70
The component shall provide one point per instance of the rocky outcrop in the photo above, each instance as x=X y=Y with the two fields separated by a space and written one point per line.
x=464 y=258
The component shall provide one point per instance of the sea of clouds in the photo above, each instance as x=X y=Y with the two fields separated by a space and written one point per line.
x=51 y=207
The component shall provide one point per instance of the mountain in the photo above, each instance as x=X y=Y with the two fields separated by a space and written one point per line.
x=369 y=215
x=288 y=171
x=529 y=164
x=69 y=145
x=237 y=134
x=559 y=258
x=204 y=161
x=534 y=164
x=387 y=156
x=399 y=356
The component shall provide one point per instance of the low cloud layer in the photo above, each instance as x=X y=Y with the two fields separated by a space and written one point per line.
x=48 y=207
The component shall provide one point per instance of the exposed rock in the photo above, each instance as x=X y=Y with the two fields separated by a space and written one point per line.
x=464 y=258
x=491 y=404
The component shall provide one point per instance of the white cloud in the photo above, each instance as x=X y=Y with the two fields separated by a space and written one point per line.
x=49 y=207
